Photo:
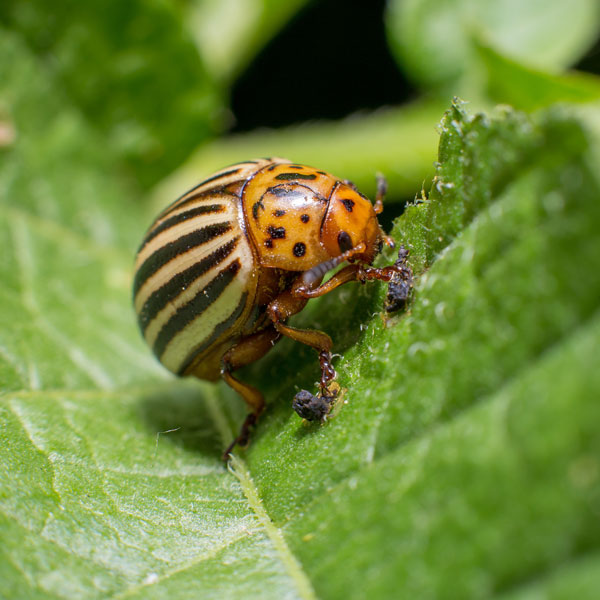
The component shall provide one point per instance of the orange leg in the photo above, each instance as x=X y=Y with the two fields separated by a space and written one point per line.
x=288 y=304
x=246 y=351
x=353 y=272
x=306 y=404
x=308 y=285
x=292 y=301
x=349 y=273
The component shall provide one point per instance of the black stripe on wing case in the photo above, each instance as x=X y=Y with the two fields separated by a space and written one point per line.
x=180 y=282
x=169 y=251
x=179 y=218
x=193 y=309
x=214 y=179
x=217 y=331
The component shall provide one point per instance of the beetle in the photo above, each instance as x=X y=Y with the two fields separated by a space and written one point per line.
x=223 y=267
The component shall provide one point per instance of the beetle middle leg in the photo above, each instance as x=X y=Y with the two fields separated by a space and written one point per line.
x=286 y=305
x=246 y=351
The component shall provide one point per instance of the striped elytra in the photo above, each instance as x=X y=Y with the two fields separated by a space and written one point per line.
x=223 y=267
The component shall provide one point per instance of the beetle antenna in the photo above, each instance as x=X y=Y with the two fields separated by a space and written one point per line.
x=381 y=191
x=314 y=275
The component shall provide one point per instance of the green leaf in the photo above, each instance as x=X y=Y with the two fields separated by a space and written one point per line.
x=436 y=41
x=229 y=33
x=94 y=499
x=152 y=114
x=463 y=458
x=579 y=579
x=509 y=82
x=109 y=58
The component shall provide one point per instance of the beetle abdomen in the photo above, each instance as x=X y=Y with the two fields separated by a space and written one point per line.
x=194 y=281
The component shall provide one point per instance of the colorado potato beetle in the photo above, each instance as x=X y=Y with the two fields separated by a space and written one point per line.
x=223 y=267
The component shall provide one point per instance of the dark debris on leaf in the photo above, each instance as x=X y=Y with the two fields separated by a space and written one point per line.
x=311 y=407
x=400 y=285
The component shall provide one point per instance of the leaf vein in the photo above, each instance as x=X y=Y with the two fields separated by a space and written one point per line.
x=274 y=533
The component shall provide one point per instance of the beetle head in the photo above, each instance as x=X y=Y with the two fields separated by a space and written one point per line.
x=351 y=223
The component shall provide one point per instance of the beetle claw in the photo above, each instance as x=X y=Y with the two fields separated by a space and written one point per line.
x=243 y=436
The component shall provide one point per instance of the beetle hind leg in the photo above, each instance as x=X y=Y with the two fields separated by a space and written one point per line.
x=246 y=351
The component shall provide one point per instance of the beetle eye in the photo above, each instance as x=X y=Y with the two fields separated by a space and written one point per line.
x=344 y=241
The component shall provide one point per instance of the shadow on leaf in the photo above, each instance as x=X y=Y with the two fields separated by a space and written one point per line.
x=182 y=417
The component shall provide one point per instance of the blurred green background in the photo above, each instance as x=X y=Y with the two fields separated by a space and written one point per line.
x=463 y=460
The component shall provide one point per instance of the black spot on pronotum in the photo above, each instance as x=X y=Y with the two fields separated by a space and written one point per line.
x=299 y=167
x=348 y=203
x=277 y=233
x=278 y=213
x=304 y=218
x=269 y=243
x=293 y=176
x=344 y=241
x=299 y=249
x=255 y=208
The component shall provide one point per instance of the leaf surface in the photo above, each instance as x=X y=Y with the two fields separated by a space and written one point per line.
x=464 y=456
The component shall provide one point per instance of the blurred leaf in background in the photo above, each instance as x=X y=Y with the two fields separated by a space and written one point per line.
x=229 y=33
x=437 y=41
x=463 y=459
x=133 y=69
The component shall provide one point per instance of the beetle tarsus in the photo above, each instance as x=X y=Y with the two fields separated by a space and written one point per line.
x=243 y=436
x=327 y=371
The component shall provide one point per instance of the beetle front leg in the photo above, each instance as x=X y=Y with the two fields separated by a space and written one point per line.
x=301 y=290
x=246 y=351
x=399 y=276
